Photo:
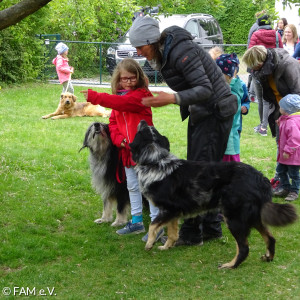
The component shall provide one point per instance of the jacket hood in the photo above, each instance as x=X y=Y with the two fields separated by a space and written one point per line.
x=177 y=33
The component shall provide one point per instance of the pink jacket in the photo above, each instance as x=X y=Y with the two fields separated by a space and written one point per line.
x=289 y=139
x=62 y=68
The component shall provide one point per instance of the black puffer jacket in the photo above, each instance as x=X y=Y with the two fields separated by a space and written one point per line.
x=189 y=70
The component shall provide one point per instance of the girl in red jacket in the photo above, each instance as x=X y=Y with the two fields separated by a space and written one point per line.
x=129 y=85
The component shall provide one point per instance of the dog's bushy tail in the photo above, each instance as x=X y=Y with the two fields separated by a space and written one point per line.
x=276 y=214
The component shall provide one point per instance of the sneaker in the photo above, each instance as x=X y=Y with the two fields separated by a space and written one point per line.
x=181 y=242
x=262 y=132
x=256 y=128
x=292 y=196
x=158 y=236
x=281 y=193
x=132 y=228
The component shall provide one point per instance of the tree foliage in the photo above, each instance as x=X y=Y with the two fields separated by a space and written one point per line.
x=21 y=53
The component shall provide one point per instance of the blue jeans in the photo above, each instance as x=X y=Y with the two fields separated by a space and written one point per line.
x=135 y=196
x=287 y=172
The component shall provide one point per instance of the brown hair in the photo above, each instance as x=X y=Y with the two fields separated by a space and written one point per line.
x=131 y=66
x=294 y=32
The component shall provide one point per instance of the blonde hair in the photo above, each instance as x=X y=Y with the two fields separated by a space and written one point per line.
x=294 y=32
x=255 y=56
x=215 y=52
x=131 y=66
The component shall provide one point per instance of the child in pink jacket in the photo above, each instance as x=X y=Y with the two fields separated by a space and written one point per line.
x=63 y=69
x=289 y=147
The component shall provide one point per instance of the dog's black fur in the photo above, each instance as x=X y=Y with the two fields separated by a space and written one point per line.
x=105 y=164
x=185 y=188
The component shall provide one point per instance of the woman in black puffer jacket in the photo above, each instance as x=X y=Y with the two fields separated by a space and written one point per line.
x=203 y=96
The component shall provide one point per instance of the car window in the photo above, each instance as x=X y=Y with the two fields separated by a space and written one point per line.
x=214 y=27
x=193 y=28
x=205 y=28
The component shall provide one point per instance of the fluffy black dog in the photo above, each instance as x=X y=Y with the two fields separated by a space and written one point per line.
x=183 y=188
x=105 y=165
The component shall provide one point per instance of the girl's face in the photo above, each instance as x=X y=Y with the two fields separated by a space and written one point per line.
x=146 y=51
x=288 y=34
x=280 y=24
x=127 y=80
x=283 y=112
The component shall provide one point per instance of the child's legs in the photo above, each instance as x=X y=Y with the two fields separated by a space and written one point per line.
x=70 y=87
x=135 y=195
x=293 y=172
x=283 y=175
x=153 y=211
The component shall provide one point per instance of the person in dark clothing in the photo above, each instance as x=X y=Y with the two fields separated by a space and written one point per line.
x=204 y=98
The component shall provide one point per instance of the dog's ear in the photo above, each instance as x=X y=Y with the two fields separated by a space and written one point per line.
x=74 y=98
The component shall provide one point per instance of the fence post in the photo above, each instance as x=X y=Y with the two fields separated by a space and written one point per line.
x=100 y=49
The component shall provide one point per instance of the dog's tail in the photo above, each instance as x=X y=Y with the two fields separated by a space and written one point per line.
x=276 y=214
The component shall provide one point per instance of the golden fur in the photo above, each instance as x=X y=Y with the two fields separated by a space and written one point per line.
x=68 y=107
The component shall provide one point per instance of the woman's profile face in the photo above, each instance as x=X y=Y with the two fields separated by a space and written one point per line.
x=280 y=24
x=146 y=51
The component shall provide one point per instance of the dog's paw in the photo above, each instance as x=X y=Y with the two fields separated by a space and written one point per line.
x=44 y=117
x=226 y=266
x=101 y=220
x=266 y=258
x=118 y=223
x=148 y=246
x=162 y=248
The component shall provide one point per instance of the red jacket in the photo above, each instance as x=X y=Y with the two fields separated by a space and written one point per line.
x=265 y=37
x=127 y=112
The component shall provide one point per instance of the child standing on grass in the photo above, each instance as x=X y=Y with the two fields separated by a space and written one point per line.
x=129 y=85
x=289 y=147
x=228 y=63
x=63 y=69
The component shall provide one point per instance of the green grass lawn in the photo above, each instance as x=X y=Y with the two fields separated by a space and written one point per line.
x=48 y=238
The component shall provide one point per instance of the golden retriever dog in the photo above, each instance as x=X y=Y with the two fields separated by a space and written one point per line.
x=68 y=107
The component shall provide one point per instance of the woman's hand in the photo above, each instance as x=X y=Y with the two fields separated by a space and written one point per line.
x=85 y=94
x=161 y=99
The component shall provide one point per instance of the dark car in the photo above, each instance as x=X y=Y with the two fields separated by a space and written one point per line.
x=204 y=28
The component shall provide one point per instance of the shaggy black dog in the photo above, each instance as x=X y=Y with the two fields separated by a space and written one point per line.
x=183 y=188
x=105 y=165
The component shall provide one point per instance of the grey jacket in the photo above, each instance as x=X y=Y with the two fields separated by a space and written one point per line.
x=285 y=71
x=189 y=70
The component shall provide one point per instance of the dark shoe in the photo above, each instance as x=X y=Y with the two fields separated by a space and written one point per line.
x=256 y=128
x=262 y=132
x=158 y=236
x=211 y=237
x=181 y=242
x=292 y=196
x=281 y=193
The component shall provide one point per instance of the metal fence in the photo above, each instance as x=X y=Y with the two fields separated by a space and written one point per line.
x=92 y=65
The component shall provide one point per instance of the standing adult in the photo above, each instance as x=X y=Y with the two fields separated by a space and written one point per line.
x=269 y=38
x=290 y=38
x=279 y=75
x=203 y=96
x=280 y=26
x=253 y=28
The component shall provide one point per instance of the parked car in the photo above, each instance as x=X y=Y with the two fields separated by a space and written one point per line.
x=204 y=28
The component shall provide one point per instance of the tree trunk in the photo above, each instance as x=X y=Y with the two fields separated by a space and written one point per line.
x=16 y=13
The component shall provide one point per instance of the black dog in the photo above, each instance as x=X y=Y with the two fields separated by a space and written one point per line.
x=185 y=188
x=105 y=165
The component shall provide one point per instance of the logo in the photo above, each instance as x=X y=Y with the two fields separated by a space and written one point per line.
x=130 y=54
